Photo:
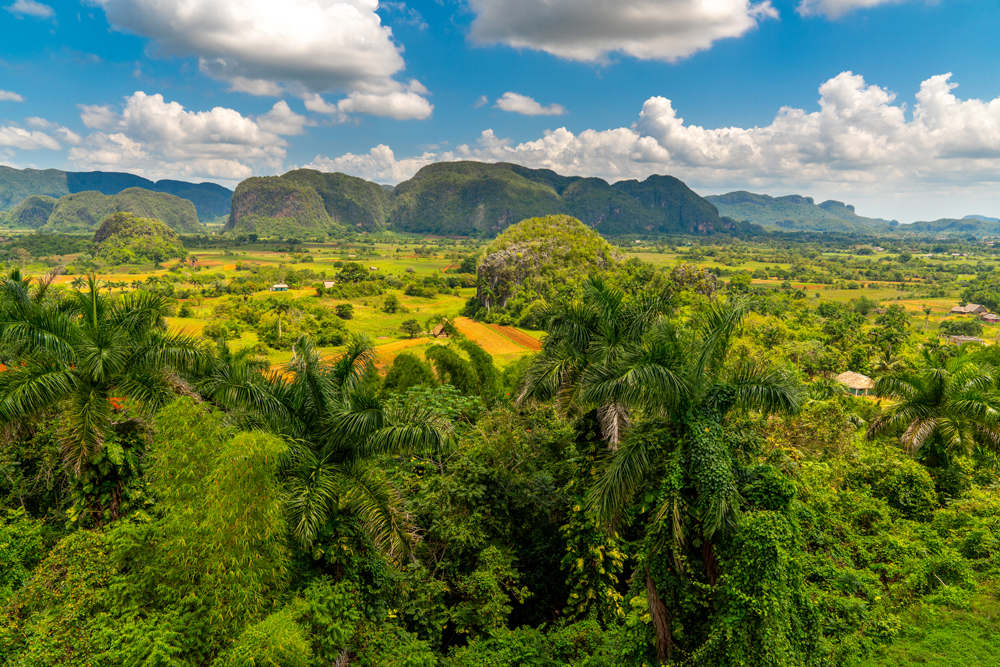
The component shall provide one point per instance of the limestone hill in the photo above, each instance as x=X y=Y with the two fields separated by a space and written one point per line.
x=123 y=238
x=469 y=198
x=796 y=213
x=307 y=203
x=84 y=211
x=210 y=200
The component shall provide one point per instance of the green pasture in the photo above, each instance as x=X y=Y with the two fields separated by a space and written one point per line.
x=941 y=637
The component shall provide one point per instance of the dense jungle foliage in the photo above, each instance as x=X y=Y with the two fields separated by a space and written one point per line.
x=674 y=478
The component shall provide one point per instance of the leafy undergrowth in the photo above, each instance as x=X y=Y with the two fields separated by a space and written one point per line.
x=942 y=637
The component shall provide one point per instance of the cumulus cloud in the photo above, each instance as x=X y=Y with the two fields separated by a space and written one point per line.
x=262 y=47
x=26 y=140
x=589 y=30
x=98 y=117
x=379 y=164
x=522 y=104
x=398 y=101
x=157 y=139
x=834 y=9
x=860 y=140
x=23 y=8
x=8 y=96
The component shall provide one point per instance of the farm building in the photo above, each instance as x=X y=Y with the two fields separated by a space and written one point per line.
x=970 y=309
x=859 y=384
x=279 y=287
x=327 y=284
x=961 y=340
x=990 y=318
x=439 y=332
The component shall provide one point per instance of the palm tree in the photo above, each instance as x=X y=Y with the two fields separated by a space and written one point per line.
x=927 y=316
x=339 y=431
x=594 y=331
x=77 y=358
x=683 y=380
x=240 y=382
x=950 y=406
x=280 y=307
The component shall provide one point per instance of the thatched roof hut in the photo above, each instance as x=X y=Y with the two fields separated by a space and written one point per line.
x=858 y=384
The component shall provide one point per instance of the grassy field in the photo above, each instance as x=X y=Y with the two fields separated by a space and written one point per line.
x=937 y=637
x=504 y=343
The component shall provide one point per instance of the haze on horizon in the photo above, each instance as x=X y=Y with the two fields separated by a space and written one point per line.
x=889 y=105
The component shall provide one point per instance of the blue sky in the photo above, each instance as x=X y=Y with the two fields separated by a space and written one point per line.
x=843 y=99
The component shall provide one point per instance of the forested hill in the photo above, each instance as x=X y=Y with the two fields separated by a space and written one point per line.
x=84 y=211
x=794 y=212
x=209 y=199
x=307 y=203
x=469 y=198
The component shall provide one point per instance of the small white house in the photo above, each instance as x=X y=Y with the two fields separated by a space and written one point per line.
x=279 y=287
x=327 y=284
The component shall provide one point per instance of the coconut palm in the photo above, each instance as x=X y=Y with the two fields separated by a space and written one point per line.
x=71 y=360
x=949 y=406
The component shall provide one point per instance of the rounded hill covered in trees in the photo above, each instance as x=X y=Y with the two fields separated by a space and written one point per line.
x=124 y=238
x=535 y=260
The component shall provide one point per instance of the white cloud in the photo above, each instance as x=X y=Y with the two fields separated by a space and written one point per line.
x=264 y=47
x=481 y=102
x=380 y=164
x=392 y=101
x=836 y=8
x=861 y=140
x=26 y=140
x=589 y=30
x=98 y=117
x=23 y=8
x=522 y=104
x=8 y=96
x=260 y=87
x=157 y=139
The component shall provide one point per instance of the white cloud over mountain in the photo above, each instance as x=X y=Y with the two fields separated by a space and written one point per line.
x=264 y=47
x=522 y=104
x=834 y=9
x=861 y=138
x=589 y=30
x=156 y=139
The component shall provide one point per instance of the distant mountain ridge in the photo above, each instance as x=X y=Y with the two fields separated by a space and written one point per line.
x=209 y=199
x=84 y=211
x=470 y=198
x=797 y=213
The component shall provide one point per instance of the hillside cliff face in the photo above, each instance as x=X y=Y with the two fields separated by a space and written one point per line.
x=210 y=200
x=468 y=198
